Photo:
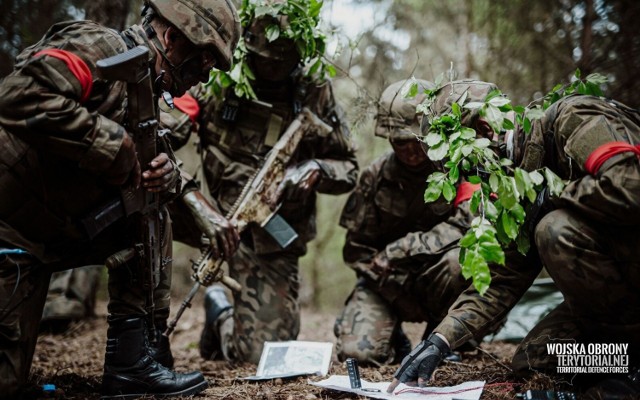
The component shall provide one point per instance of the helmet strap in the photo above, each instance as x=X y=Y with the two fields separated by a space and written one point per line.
x=153 y=36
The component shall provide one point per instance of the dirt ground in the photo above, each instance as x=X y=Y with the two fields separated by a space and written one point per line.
x=73 y=362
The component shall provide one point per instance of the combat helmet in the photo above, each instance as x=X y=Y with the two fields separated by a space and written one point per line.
x=455 y=92
x=211 y=24
x=256 y=40
x=397 y=118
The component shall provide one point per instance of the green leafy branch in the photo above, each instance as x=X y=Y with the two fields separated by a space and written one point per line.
x=506 y=193
x=303 y=17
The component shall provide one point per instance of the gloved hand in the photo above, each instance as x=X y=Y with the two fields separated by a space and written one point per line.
x=421 y=362
x=125 y=167
x=222 y=234
x=299 y=181
x=162 y=175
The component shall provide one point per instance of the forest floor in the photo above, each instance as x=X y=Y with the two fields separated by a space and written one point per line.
x=73 y=362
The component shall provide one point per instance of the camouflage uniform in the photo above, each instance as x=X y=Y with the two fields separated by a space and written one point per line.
x=386 y=217
x=387 y=213
x=71 y=295
x=589 y=244
x=53 y=153
x=232 y=151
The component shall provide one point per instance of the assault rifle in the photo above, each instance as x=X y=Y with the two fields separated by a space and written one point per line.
x=133 y=68
x=257 y=204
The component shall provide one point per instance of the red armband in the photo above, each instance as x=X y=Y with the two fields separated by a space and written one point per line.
x=600 y=155
x=188 y=105
x=465 y=191
x=77 y=66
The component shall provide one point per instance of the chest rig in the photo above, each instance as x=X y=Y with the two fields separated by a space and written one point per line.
x=248 y=129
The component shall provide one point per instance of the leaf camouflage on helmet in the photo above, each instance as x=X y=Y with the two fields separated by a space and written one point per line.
x=276 y=29
x=451 y=111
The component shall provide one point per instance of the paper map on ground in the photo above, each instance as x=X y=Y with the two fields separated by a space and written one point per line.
x=293 y=358
x=465 y=391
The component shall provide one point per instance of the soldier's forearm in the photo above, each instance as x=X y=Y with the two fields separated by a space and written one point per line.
x=338 y=176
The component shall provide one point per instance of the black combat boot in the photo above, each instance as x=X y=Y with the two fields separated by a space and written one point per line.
x=216 y=305
x=130 y=372
x=160 y=350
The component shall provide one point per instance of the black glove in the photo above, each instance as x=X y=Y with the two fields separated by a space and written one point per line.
x=421 y=362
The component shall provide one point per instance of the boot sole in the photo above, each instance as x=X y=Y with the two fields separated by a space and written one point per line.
x=186 y=392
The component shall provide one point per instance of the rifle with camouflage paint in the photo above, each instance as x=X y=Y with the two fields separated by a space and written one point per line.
x=257 y=204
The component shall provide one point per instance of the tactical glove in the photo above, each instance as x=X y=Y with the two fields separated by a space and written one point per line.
x=223 y=236
x=420 y=364
x=125 y=168
x=299 y=181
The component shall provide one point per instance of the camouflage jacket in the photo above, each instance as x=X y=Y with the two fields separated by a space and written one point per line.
x=54 y=147
x=386 y=212
x=569 y=133
x=237 y=134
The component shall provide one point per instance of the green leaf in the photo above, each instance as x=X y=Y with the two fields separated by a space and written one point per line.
x=475 y=179
x=508 y=125
x=523 y=243
x=454 y=173
x=527 y=125
x=494 y=182
x=433 y=139
x=534 y=113
x=499 y=101
x=468 y=239
x=475 y=201
x=467 y=133
x=509 y=225
x=482 y=143
x=517 y=211
x=272 y=32
x=409 y=89
x=448 y=191
x=455 y=109
x=438 y=152
x=473 y=105
x=433 y=192
x=490 y=211
x=555 y=184
x=536 y=177
x=331 y=70
x=491 y=252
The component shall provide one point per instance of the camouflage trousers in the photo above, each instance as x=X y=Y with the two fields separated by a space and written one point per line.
x=369 y=326
x=266 y=309
x=24 y=282
x=597 y=269
x=72 y=294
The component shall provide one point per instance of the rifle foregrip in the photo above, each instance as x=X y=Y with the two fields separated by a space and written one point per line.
x=119 y=258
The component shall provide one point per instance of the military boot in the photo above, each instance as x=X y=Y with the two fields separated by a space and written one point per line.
x=130 y=372
x=217 y=309
x=160 y=349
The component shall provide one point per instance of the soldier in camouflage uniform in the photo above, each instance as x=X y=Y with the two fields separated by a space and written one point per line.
x=235 y=135
x=404 y=251
x=588 y=244
x=65 y=153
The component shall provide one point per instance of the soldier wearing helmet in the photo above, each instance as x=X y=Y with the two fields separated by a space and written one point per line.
x=235 y=134
x=66 y=152
x=587 y=241
x=403 y=250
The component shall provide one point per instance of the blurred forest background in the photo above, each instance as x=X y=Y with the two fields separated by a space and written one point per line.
x=526 y=47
